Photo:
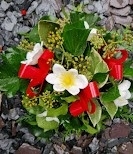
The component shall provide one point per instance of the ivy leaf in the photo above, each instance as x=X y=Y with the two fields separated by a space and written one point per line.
x=33 y=35
x=128 y=68
x=46 y=125
x=111 y=108
x=92 y=19
x=96 y=116
x=101 y=78
x=86 y=127
x=9 y=85
x=75 y=40
x=59 y=111
x=9 y=81
x=98 y=66
x=110 y=95
x=70 y=99
x=76 y=16
x=44 y=27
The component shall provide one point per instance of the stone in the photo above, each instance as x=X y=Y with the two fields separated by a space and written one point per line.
x=126 y=148
x=2 y=124
x=27 y=149
x=119 y=3
x=4 y=5
x=131 y=2
x=122 y=12
x=94 y=144
x=85 y=2
x=13 y=114
x=19 y=1
x=76 y=150
x=119 y=130
x=2 y=13
x=23 y=29
x=110 y=23
x=1 y=41
x=113 y=142
x=98 y=6
x=9 y=22
x=91 y=7
x=29 y=138
x=45 y=8
x=57 y=5
x=125 y=21
x=58 y=149
x=32 y=8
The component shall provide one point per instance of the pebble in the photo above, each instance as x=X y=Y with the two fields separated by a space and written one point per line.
x=4 y=5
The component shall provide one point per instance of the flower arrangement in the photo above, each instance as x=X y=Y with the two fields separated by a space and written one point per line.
x=72 y=74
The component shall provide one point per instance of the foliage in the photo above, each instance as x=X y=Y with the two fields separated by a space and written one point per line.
x=77 y=43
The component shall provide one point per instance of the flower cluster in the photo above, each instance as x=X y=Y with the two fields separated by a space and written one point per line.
x=77 y=75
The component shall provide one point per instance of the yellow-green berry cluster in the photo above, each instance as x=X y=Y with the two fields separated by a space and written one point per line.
x=97 y=42
x=26 y=45
x=27 y=102
x=49 y=99
x=54 y=39
x=82 y=64
x=109 y=50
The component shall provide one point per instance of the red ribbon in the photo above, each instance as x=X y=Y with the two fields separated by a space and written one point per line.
x=83 y=104
x=36 y=74
x=116 y=65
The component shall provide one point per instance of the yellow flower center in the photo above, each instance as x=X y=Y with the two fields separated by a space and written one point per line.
x=67 y=79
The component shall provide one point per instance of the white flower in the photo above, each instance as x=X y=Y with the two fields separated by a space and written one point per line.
x=93 y=32
x=86 y=25
x=33 y=56
x=124 y=93
x=66 y=80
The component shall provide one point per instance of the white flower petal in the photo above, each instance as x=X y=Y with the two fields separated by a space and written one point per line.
x=36 y=57
x=58 y=69
x=86 y=25
x=128 y=94
x=120 y=101
x=52 y=78
x=37 y=47
x=81 y=81
x=93 y=32
x=74 y=90
x=73 y=71
x=58 y=87
x=125 y=85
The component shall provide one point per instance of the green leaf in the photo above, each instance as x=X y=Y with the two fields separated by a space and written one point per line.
x=77 y=25
x=59 y=111
x=92 y=19
x=44 y=27
x=33 y=35
x=9 y=85
x=11 y=62
x=101 y=78
x=110 y=95
x=98 y=66
x=75 y=40
x=128 y=69
x=76 y=16
x=86 y=127
x=96 y=116
x=111 y=108
x=46 y=125
x=70 y=99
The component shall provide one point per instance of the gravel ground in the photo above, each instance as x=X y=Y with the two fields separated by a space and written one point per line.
x=16 y=139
